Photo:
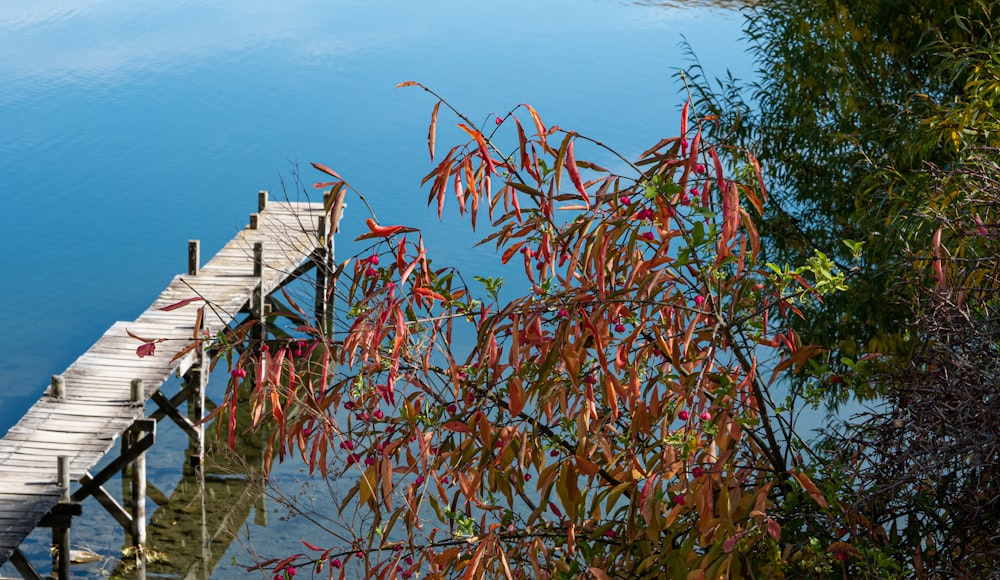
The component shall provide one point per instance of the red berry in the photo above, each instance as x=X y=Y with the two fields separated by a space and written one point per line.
x=683 y=415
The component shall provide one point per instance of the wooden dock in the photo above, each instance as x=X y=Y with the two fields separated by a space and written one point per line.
x=101 y=397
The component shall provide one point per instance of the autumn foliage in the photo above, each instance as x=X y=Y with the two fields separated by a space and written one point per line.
x=607 y=414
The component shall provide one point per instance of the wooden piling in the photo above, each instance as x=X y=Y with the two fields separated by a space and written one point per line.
x=60 y=534
x=194 y=257
x=58 y=387
x=138 y=487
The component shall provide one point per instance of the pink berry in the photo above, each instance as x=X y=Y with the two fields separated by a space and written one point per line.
x=625 y=200
x=619 y=327
x=698 y=471
x=678 y=499
x=527 y=477
x=378 y=414
x=648 y=236
x=373 y=260
x=452 y=408
x=563 y=313
x=706 y=416
x=371 y=272
x=499 y=120
x=418 y=481
x=336 y=563
x=683 y=415
x=609 y=533
x=699 y=169
x=699 y=300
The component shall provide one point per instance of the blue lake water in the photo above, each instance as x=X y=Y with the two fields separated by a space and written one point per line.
x=129 y=128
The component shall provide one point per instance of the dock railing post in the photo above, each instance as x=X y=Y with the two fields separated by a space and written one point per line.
x=58 y=391
x=259 y=298
x=138 y=488
x=322 y=276
x=194 y=257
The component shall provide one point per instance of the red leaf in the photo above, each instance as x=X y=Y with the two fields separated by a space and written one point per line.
x=457 y=427
x=146 y=349
x=181 y=304
x=378 y=231
x=312 y=546
x=327 y=170
x=574 y=172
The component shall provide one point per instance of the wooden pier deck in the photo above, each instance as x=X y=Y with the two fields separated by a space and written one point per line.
x=96 y=406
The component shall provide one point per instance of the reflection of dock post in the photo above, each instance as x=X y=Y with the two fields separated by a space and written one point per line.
x=138 y=486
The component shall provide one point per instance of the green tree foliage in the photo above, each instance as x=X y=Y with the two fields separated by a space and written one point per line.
x=855 y=100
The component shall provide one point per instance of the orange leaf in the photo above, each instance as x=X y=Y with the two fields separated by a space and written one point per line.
x=539 y=126
x=409 y=84
x=432 y=132
x=811 y=489
x=574 y=173
x=484 y=151
x=516 y=403
x=428 y=293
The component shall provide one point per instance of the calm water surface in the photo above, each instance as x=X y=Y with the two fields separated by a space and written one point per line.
x=129 y=128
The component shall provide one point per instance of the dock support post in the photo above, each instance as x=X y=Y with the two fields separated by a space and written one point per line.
x=197 y=378
x=258 y=300
x=60 y=534
x=322 y=258
x=138 y=487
